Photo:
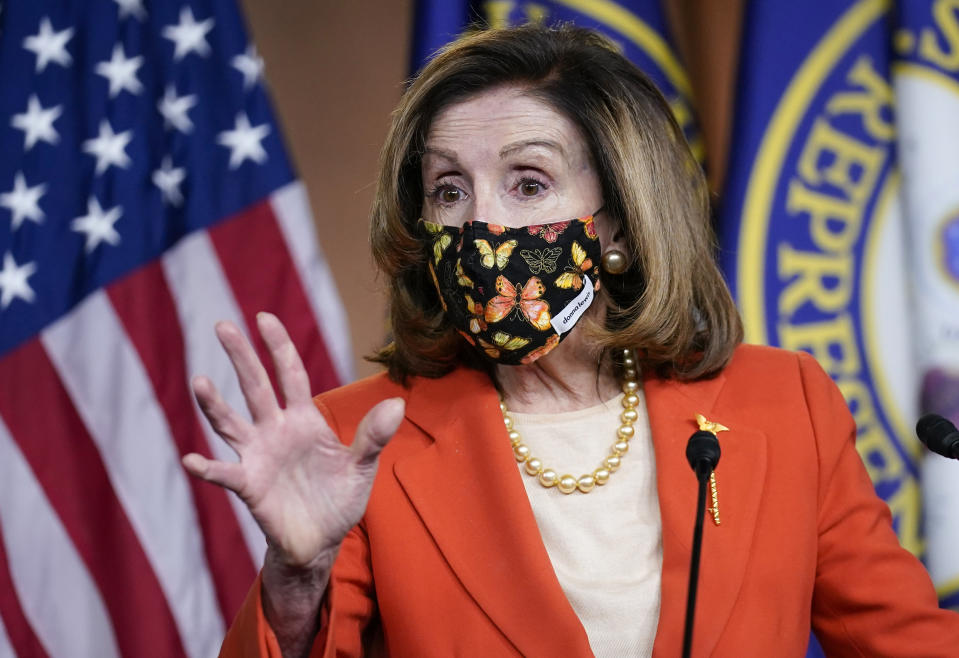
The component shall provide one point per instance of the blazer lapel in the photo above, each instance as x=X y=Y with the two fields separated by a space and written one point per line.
x=466 y=488
x=740 y=478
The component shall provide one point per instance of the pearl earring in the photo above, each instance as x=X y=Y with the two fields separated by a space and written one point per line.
x=614 y=262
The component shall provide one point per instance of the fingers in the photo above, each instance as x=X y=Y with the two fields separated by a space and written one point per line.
x=254 y=382
x=377 y=428
x=290 y=373
x=224 y=420
x=225 y=474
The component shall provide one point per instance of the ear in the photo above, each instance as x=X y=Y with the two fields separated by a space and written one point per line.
x=618 y=241
x=610 y=236
x=626 y=288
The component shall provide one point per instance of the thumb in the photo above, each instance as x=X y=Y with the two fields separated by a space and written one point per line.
x=377 y=428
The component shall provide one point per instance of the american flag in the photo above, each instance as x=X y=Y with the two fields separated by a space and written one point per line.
x=144 y=195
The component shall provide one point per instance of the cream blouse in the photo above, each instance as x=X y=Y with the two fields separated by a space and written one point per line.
x=605 y=546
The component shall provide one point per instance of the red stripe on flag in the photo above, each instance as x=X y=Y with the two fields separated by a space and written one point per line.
x=261 y=272
x=68 y=466
x=146 y=308
x=22 y=638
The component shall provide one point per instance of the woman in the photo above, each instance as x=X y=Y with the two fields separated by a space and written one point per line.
x=555 y=306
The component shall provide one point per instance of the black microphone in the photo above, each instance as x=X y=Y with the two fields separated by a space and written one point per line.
x=939 y=435
x=702 y=451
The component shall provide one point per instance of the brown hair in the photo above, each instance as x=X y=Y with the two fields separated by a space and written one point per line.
x=672 y=303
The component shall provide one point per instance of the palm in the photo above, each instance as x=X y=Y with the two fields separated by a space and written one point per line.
x=289 y=491
x=302 y=485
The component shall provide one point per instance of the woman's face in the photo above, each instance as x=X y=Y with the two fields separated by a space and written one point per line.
x=503 y=157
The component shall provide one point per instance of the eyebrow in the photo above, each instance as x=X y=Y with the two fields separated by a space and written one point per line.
x=519 y=146
x=506 y=151
x=443 y=153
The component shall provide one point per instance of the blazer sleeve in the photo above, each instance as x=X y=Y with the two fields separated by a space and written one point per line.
x=345 y=612
x=871 y=597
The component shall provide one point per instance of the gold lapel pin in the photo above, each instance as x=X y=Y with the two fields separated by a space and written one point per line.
x=714 y=498
x=709 y=426
x=715 y=428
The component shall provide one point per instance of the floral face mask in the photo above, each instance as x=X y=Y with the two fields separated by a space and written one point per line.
x=514 y=293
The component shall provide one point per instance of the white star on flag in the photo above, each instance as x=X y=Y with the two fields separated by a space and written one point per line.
x=244 y=141
x=168 y=178
x=49 y=46
x=13 y=281
x=23 y=202
x=250 y=65
x=121 y=71
x=131 y=8
x=174 y=110
x=109 y=148
x=97 y=225
x=37 y=123
x=188 y=35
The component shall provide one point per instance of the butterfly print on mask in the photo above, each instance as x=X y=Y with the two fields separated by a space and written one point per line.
x=461 y=279
x=546 y=348
x=481 y=275
x=477 y=321
x=589 y=227
x=580 y=264
x=549 y=232
x=503 y=342
x=525 y=301
x=441 y=241
x=541 y=260
x=497 y=256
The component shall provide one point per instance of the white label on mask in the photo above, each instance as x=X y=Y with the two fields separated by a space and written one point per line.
x=565 y=319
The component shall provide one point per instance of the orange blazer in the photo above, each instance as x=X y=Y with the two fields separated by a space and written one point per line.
x=448 y=560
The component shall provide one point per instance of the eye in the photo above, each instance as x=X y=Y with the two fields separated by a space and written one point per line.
x=446 y=194
x=449 y=195
x=530 y=187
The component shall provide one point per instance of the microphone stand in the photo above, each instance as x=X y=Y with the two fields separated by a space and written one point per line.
x=702 y=451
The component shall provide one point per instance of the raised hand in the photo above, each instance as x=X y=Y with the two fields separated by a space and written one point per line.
x=302 y=485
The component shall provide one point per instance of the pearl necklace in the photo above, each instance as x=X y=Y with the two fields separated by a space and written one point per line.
x=585 y=483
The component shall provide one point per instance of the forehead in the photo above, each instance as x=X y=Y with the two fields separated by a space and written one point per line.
x=500 y=117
